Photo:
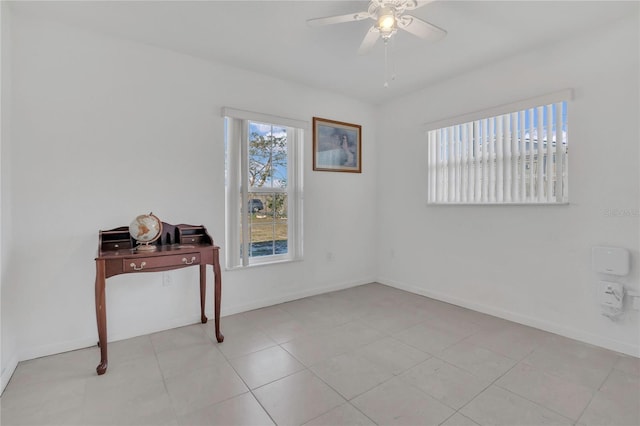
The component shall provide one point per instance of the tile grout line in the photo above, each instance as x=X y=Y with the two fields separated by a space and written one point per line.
x=253 y=394
x=573 y=422
x=164 y=382
x=595 y=393
x=458 y=411
x=228 y=359
x=347 y=401
x=488 y=386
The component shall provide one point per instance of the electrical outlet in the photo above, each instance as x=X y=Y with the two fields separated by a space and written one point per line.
x=635 y=300
x=611 y=294
x=167 y=279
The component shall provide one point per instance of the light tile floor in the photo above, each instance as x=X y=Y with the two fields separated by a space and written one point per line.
x=363 y=356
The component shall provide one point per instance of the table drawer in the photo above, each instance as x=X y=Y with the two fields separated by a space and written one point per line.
x=157 y=262
x=191 y=239
x=116 y=245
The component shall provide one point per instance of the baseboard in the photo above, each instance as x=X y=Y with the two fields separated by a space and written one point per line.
x=86 y=342
x=56 y=348
x=7 y=372
x=173 y=323
x=270 y=301
x=569 y=332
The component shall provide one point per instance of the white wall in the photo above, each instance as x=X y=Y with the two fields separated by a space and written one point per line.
x=8 y=336
x=528 y=264
x=105 y=129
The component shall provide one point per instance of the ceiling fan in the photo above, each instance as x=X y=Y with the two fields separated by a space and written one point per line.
x=389 y=16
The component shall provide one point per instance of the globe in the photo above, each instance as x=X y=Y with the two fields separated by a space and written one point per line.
x=145 y=229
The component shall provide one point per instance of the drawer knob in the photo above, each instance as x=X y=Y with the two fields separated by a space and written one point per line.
x=135 y=268
x=188 y=262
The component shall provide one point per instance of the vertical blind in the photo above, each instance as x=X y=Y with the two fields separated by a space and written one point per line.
x=518 y=157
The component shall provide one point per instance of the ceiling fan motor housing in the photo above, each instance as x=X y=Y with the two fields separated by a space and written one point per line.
x=389 y=17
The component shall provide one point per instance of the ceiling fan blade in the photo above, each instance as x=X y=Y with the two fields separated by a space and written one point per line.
x=414 y=4
x=351 y=17
x=420 y=28
x=369 y=41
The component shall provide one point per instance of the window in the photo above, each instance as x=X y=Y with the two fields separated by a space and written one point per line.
x=517 y=154
x=263 y=188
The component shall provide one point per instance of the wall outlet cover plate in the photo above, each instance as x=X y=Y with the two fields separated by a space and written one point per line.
x=610 y=260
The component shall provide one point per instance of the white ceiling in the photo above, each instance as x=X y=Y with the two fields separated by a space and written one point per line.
x=272 y=37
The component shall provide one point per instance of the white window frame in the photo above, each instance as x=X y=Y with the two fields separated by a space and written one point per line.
x=461 y=147
x=237 y=187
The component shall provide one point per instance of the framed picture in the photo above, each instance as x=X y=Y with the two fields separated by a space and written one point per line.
x=337 y=146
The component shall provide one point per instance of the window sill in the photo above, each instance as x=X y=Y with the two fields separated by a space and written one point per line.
x=258 y=265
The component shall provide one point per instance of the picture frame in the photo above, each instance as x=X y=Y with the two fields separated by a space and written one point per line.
x=337 y=146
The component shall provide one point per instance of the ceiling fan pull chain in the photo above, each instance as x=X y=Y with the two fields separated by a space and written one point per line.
x=393 y=64
x=386 y=65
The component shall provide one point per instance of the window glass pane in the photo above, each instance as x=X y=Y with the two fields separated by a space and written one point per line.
x=277 y=205
x=255 y=204
x=280 y=157
x=282 y=238
x=261 y=239
x=267 y=156
x=268 y=224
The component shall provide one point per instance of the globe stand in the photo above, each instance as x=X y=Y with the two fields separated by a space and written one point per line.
x=142 y=230
x=146 y=247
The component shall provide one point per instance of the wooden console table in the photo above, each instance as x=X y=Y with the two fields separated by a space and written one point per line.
x=179 y=246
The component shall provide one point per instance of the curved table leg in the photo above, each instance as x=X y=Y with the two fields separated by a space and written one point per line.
x=218 y=293
x=203 y=291
x=102 y=368
x=101 y=316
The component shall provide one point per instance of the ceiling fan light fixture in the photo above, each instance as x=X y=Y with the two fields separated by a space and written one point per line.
x=386 y=20
x=389 y=18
